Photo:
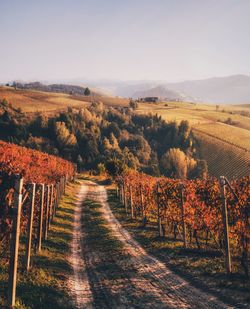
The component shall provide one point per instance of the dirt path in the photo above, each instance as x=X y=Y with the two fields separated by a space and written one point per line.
x=113 y=271
x=79 y=283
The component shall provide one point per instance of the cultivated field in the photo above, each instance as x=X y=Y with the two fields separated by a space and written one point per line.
x=222 y=158
x=38 y=101
x=225 y=147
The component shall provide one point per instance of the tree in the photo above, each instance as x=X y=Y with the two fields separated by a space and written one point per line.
x=174 y=163
x=87 y=91
x=114 y=167
x=63 y=136
x=101 y=169
x=133 y=104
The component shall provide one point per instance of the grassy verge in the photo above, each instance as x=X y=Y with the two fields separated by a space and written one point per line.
x=45 y=285
x=202 y=269
x=105 y=258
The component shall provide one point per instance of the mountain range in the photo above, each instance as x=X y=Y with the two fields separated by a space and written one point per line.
x=233 y=89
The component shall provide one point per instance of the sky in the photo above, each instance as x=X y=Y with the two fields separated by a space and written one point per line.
x=170 y=40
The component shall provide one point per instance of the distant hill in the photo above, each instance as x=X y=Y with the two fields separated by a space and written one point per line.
x=62 y=88
x=233 y=89
x=160 y=92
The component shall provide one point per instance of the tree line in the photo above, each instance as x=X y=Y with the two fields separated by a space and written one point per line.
x=107 y=139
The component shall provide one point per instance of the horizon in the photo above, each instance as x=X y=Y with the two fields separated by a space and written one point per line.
x=132 y=41
x=81 y=80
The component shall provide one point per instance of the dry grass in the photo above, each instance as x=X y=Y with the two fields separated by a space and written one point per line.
x=37 y=101
x=197 y=113
x=231 y=134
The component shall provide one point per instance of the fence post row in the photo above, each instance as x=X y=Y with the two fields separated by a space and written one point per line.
x=52 y=202
x=14 y=242
x=225 y=224
x=30 y=224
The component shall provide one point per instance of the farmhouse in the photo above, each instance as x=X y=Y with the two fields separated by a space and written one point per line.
x=149 y=99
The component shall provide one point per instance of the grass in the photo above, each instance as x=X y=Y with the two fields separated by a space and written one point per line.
x=198 y=113
x=45 y=285
x=104 y=255
x=203 y=269
x=237 y=136
x=37 y=101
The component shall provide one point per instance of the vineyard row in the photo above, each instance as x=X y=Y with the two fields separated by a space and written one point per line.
x=31 y=186
x=208 y=214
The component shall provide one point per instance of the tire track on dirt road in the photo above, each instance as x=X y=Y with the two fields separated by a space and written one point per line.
x=130 y=278
x=79 y=283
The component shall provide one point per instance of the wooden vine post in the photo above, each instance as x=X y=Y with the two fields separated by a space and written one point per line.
x=51 y=212
x=144 y=217
x=56 y=199
x=225 y=225
x=160 y=232
x=14 y=242
x=131 y=202
x=46 y=219
x=30 y=224
x=124 y=197
x=121 y=198
x=184 y=231
x=40 y=224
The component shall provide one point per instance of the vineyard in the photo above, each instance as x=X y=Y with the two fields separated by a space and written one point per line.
x=232 y=135
x=206 y=214
x=31 y=185
x=222 y=158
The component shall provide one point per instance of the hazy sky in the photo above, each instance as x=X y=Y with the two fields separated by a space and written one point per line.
x=125 y=39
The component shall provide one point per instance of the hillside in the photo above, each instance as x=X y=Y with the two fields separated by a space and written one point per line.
x=161 y=92
x=225 y=147
x=41 y=101
x=233 y=89
x=226 y=90
x=37 y=101
x=227 y=124
x=62 y=88
x=222 y=158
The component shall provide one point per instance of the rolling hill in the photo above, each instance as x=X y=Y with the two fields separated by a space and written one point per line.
x=30 y=100
x=161 y=92
x=233 y=89
x=217 y=141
